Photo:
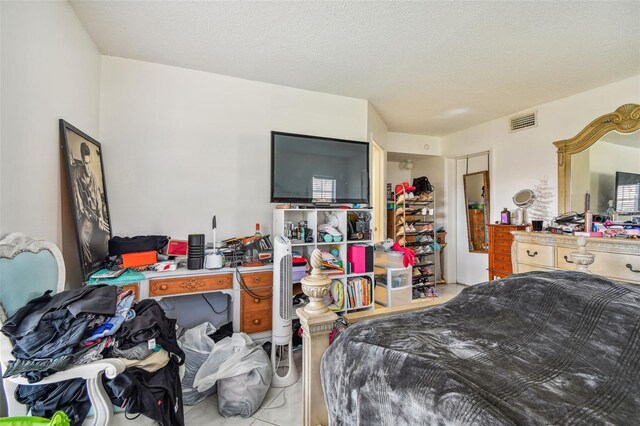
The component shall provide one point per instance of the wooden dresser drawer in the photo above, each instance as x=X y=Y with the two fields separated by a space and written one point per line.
x=534 y=254
x=502 y=249
x=258 y=279
x=251 y=303
x=502 y=266
x=528 y=268
x=194 y=284
x=256 y=321
x=613 y=265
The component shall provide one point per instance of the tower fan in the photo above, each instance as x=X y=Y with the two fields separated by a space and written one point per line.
x=282 y=312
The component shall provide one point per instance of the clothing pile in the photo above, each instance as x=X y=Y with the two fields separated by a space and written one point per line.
x=76 y=327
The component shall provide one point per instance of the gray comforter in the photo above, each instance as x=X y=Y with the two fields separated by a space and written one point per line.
x=531 y=349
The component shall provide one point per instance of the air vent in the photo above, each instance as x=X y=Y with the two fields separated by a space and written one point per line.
x=524 y=122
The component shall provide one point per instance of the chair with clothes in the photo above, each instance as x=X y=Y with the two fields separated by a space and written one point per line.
x=29 y=268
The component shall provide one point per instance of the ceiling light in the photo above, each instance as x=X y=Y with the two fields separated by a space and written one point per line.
x=407 y=164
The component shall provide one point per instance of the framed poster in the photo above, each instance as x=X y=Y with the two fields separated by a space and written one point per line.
x=85 y=173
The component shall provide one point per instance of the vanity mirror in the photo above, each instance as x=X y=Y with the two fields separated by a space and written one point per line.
x=585 y=166
x=476 y=198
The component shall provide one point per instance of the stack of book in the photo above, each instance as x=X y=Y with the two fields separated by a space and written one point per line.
x=358 y=292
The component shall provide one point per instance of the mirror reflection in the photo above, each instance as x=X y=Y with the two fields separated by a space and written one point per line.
x=609 y=170
x=476 y=197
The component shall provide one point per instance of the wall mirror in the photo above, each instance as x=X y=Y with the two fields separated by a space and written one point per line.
x=607 y=148
x=476 y=198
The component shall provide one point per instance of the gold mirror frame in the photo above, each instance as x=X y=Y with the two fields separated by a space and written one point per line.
x=625 y=119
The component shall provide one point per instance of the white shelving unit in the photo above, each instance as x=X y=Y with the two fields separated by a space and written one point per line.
x=314 y=218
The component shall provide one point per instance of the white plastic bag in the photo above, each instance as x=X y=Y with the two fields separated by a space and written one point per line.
x=197 y=346
x=242 y=371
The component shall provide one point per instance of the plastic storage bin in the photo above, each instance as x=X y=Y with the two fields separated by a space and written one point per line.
x=393 y=286
x=389 y=259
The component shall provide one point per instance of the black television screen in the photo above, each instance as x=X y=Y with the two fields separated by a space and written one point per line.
x=311 y=169
x=627 y=193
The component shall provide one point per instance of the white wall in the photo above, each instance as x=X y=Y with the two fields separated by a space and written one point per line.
x=413 y=144
x=520 y=159
x=396 y=174
x=50 y=70
x=180 y=145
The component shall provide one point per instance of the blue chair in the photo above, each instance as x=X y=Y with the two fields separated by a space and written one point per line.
x=28 y=268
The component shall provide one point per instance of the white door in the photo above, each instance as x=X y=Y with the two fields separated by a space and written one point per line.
x=378 y=195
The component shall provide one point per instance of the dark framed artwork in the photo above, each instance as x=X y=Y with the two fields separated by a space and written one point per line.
x=88 y=193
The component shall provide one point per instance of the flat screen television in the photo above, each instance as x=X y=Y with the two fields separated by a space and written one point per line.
x=627 y=193
x=310 y=169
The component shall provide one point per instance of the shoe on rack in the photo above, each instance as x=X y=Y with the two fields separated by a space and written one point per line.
x=426 y=228
x=400 y=221
x=400 y=231
x=410 y=228
x=410 y=196
x=427 y=250
x=399 y=211
x=402 y=242
x=416 y=272
x=400 y=199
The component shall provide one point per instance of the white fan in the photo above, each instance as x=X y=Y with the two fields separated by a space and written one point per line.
x=282 y=332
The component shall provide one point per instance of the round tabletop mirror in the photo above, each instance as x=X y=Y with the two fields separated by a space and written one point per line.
x=524 y=198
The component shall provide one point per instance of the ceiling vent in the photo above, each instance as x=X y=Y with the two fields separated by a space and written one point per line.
x=524 y=121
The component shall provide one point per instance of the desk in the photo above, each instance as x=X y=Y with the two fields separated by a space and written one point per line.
x=249 y=314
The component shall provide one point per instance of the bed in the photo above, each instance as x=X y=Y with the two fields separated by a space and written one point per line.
x=535 y=348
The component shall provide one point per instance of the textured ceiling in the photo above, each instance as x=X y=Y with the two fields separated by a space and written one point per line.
x=427 y=67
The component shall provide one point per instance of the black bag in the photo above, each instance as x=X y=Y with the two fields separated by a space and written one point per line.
x=123 y=245
x=422 y=185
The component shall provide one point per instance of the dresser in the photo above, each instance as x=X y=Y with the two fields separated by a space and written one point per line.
x=614 y=258
x=500 y=240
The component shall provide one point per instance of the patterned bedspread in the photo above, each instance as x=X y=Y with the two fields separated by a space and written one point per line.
x=536 y=348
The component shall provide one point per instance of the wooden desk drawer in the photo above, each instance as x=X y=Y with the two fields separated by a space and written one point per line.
x=135 y=287
x=535 y=254
x=250 y=303
x=194 y=284
x=256 y=321
x=258 y=279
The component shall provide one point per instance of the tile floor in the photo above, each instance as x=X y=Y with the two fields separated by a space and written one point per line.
x=281 y=407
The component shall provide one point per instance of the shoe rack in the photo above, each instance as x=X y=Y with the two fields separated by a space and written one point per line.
x=415 y=228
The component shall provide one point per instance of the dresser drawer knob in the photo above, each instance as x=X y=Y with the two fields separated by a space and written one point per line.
x=637 y=271
x=256 y=300
x=164 y=287
x=256 y=321
x=566 y=259
x=256 y=280
x=535 y=253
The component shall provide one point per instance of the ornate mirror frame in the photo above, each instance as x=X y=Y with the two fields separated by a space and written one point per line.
x=625 y=119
